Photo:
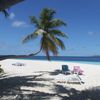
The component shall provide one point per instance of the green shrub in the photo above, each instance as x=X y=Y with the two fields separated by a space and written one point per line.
x=1 y=70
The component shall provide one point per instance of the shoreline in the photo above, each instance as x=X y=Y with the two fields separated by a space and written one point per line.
x=67 y=61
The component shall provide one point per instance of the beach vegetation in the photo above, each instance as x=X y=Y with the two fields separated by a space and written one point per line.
x=48 y=28
x=1 y=70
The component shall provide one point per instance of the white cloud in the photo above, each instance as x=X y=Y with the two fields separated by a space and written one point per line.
x=91 y=33
x=19 y=24
x=11 y=16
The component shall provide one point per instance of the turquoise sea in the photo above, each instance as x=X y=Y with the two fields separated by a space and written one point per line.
x=86 y=60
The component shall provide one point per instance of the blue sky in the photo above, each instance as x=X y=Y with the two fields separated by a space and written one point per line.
x=83 y=26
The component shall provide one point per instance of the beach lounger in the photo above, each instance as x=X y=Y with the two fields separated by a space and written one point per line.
x=75 y=79
x=18 y=64
x=77 y=70
x=65 y=69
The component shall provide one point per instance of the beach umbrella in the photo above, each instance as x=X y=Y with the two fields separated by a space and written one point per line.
x=4 y=4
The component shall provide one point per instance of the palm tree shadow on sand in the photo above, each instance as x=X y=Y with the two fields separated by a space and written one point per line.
x=10 y=89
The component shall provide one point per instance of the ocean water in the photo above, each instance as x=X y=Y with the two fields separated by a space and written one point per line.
x=87 y=60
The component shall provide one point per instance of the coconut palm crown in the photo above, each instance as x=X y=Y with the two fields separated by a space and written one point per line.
x=47 y=26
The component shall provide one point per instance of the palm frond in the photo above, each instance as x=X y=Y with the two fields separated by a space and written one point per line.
x=34 y=35
x=59 y=43
x=30 y=37
x=57 y=23
x=45 y=17
x=47 y=14
x=57 y=33
x=49 y=45
x=34 y=21
x=5 y=13
x=52 y=47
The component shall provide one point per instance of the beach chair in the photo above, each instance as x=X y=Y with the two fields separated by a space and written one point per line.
x=65 y=69
x=18 y=64
x=74 y=78
x=77 y=70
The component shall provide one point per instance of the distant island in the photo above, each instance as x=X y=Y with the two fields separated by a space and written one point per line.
x=2 y=57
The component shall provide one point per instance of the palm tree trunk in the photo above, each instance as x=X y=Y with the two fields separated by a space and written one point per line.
x=33 y=54
x=47 y=54
x=4 y=4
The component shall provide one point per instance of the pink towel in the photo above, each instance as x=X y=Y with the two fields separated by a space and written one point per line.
x=78 y=70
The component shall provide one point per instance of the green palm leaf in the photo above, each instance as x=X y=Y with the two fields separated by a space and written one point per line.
x=5 y=13
x=58 y=33
x=50 y=46
x=30 y=37
x=57 y=23
x=34 y=35
x=59 y=43
x=47 y=14
x=34 y=21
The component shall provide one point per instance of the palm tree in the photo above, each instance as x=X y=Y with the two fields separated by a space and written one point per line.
x=47 y=26
x=5 y=4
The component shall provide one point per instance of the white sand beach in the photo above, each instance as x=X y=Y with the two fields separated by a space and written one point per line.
x=46 y=75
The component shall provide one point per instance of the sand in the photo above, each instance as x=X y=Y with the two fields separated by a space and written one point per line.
x=45 y=76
